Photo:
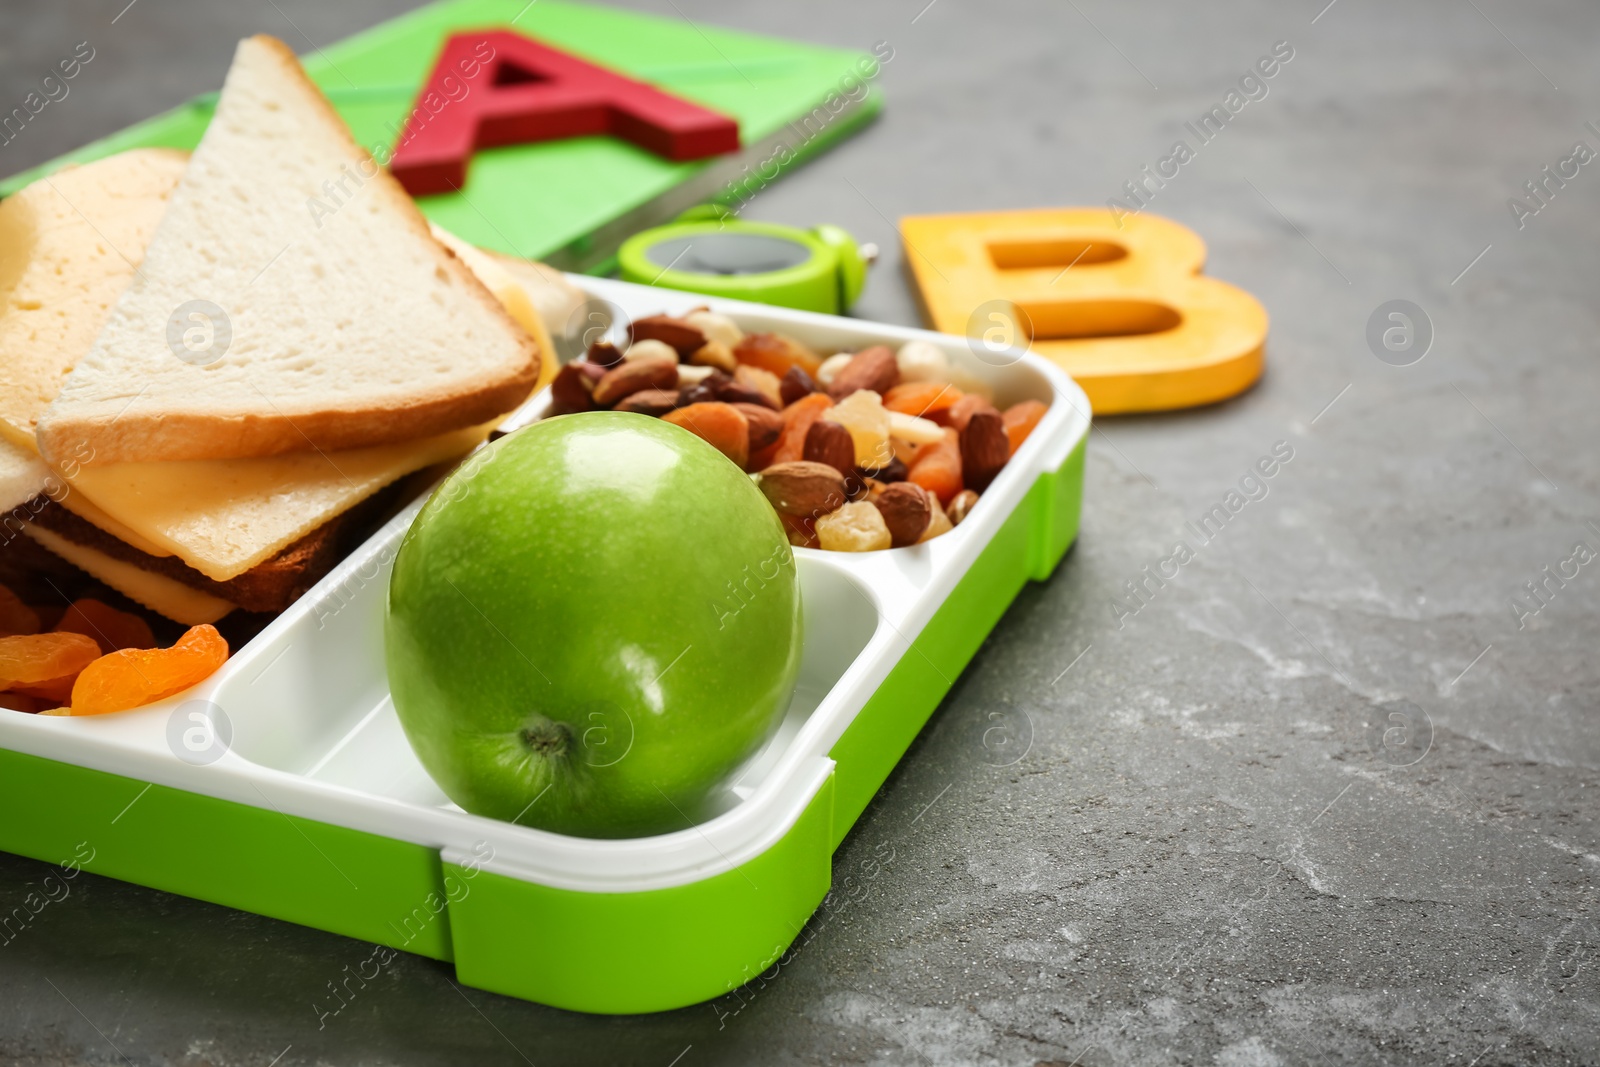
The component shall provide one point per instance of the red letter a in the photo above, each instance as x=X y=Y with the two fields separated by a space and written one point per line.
x=525 y=91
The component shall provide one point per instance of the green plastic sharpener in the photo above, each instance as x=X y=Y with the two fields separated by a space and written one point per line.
x=821 y=270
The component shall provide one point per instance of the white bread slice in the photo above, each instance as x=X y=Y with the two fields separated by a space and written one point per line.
x=69 y=245
x=23 y=476
x=163 y=595
x=351 y=326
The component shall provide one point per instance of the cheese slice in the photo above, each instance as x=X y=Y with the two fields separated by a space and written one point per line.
x=157 y=592
x=69 y=245
x=223 y=517
x=23 y=476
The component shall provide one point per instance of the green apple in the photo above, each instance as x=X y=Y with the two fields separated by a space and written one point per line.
x=590 y=625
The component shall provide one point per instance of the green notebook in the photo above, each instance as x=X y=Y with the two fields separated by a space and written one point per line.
x=572 y=203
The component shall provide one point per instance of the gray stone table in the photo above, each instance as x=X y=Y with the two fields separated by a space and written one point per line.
x=1209 y=853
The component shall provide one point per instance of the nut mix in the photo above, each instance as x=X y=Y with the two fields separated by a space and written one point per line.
x=856 y=451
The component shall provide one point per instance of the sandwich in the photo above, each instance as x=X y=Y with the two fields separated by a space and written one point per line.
x=210 y=391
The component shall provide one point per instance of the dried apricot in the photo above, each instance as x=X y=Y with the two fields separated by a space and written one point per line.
x=1020 y=421
x=50 y=693
x=797 y=420
x=28 y=659
x=961 y=411
x=776 y=353
x=137 y=676
x=720 y=425
x=15 y=616
x=111 y=629
x=923 y=399
x=937 y=467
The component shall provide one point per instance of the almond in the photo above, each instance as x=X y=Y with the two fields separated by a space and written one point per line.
x=765 y=425
x=906 y=512
x=872 y=368
x=683 y=336
x=828 y=442
x=654 y=402
x=634 y=375
x=801 y=488
x=573 y=387
x=984 y=449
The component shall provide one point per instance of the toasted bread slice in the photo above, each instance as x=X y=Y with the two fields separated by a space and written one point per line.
x=69 y=245
x=291 y=300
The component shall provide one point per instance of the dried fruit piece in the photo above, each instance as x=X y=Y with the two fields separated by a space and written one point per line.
x=984 y=449
x=683 y=337
x=654 y=402
x=15 y=616
x=794 y=385
x=604 y=354
x=722 y=426
x=863 y=414
x=18 y=702
x=28 y=659
x=938 y=521
x=53 y=693
x=797 y=420
x=937 y=467
x=633 y=375
x=572 y=390
x=765 y=426
x=776 y=353
x=135 y=677
x=893 y=471
x=110 y=628
x=872 y=368
x=702 y=392
x=906 y=512
x=828 y=442
x=962 y=410
x=714 y=354
x=857 y=527
x=923 y=399
x=961 y=506
x=802 y=488
x=1021 y=420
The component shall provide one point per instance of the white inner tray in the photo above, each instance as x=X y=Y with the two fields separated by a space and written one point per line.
x=315 y=735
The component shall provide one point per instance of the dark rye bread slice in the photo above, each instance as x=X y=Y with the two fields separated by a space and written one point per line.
x=269 y=586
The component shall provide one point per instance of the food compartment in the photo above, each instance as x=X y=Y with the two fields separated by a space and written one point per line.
x=310 y=696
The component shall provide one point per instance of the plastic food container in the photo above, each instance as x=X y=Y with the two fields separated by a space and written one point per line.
x=284 y=786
